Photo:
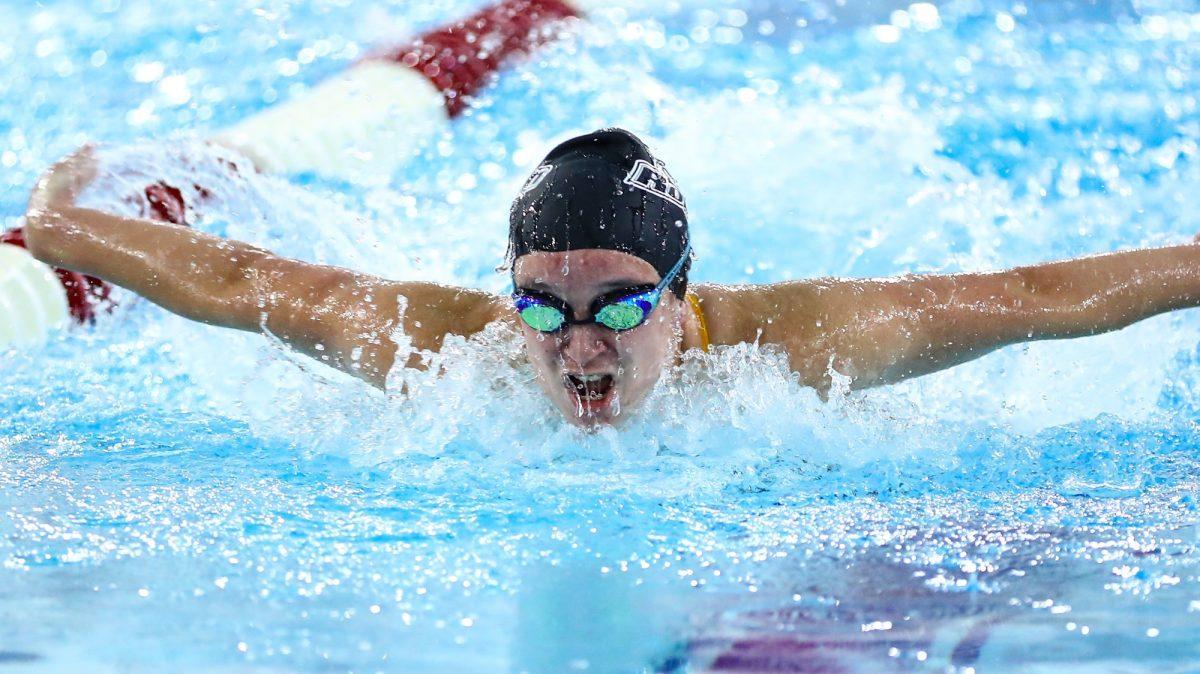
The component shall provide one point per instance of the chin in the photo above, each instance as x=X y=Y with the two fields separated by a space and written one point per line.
x=588 y=423
x=592 y=416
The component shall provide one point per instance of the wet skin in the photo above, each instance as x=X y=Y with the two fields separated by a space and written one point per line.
x=871 y=331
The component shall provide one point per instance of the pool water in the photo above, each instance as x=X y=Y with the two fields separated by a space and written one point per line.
x=177 y=496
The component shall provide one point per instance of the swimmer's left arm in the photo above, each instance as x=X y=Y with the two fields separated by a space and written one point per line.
x=886 y=330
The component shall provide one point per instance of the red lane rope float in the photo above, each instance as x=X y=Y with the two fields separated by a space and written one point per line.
x=165 y=203
x=461 y=58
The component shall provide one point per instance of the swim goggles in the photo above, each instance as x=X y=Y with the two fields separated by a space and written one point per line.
x=618 y=310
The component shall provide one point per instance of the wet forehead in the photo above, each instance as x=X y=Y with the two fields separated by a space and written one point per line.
x=582 y=268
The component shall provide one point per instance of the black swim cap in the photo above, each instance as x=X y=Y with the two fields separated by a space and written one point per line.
x=603 y=190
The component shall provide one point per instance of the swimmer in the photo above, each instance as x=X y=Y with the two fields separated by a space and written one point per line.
x=600 y=253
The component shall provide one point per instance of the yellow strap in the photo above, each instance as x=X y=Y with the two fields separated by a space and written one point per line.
x=705 y=342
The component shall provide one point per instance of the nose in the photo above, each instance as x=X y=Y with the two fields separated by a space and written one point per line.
x=581 y=344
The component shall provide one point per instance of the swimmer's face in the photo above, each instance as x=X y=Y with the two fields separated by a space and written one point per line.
x=590 y=372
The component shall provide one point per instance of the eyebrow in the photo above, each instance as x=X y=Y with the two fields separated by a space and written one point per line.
x=604 y=287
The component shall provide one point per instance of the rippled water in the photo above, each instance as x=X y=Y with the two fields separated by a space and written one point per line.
x=176 y=495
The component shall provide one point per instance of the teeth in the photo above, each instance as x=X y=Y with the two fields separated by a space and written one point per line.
x=583 y=384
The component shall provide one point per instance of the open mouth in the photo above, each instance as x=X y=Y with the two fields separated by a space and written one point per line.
x=590 y=387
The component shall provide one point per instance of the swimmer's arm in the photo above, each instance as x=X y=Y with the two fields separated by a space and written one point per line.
x=883 y=331
x=337 y=316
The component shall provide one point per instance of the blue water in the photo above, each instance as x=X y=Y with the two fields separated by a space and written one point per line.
x=178 y=497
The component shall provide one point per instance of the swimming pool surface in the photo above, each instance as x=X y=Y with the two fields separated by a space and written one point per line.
x=175 y=497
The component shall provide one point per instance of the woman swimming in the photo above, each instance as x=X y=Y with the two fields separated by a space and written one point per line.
x=600 y=250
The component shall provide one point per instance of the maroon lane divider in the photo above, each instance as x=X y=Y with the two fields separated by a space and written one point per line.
x=460 y=58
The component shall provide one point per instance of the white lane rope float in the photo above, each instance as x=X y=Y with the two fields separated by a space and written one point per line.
x=32 y=299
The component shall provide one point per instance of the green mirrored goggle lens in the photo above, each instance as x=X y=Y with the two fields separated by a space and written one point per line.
x=622 y=315
x=542 y=318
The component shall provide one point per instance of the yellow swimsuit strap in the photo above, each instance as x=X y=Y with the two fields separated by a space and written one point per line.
x=705 y=342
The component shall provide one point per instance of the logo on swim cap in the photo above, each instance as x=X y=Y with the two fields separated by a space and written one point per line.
x=653 y=178
x=539 y=174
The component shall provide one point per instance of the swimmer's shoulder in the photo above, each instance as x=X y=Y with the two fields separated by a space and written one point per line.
x=787 y=312
x=428 y=312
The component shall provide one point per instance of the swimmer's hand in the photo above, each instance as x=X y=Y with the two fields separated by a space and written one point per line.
x=56 y=192
x=61 y=184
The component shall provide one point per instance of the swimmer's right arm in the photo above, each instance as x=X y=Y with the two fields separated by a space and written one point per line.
x=339 y=317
